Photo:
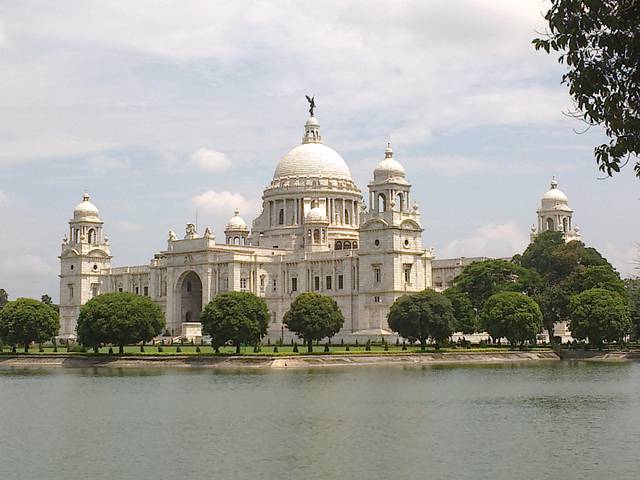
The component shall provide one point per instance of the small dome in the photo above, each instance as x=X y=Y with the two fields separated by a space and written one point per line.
x=316 y=215
x=312 y=159
x=86 y=210
x=237 y=222
x=554 y=194
x=388 y=168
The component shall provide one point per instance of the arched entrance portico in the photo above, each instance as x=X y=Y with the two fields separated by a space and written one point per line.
x=190 y=297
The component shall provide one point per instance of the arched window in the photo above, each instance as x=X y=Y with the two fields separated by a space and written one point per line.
x=346 y=216
x=188 y=285
x=236 y=241
x=355 y=245
x=564 y=225
x=347 y=245
x=400 y=202
x=92 y=236
x=550 y=224
x=316 y=236
x=281 y=217
x=382 y=202
x=77 y=233
x=338 y=245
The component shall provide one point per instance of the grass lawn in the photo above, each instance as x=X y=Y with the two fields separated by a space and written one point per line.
x=268 y=350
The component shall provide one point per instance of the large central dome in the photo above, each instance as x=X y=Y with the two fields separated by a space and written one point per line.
x=312 y=158
x=315 y=159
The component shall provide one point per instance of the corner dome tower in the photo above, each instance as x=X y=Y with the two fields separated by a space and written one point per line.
x=555 y=214
x=86 y=211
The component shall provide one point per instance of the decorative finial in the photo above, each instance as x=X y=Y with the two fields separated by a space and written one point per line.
x=85 y=196
x=388 y=153
x=554 y=182
x=312 y=103
x=236 y=212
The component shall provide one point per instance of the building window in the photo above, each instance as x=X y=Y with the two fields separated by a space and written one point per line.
x=407 y=273
x=94 y=291
x=243 y=283
x=347 y=245
x=275 y=285
x=377 y=299
x=294 y=284
x=138 y=290
x=120 y=288
x=146 y=291
x=71 y=291
x=188 y=286
x=262 y=283
x=274 y=319
x=376 y=242
x=354 y=245
x=316 y=236
x=376 y=274
x=281 y=217
x=338 y=245
x=340 y=282
x=328 y=282
x=316 y=283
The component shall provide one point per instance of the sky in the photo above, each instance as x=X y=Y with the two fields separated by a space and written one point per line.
x=163 y=108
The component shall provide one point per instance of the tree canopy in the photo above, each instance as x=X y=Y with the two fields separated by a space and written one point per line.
x=26 y=320
x=313 y=316
x=599 y=41
x=119 y=318
x=600 y=316
x=238 y=317
x=512 y=315
x=480 y=280
x=422 y=316
x=633 y=293
x=566 y=269
x=463 y=311
x=4 y=298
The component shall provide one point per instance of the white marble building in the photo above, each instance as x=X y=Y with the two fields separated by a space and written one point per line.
x=315 y=233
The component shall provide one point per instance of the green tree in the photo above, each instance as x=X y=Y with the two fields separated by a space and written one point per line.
x=633 y=293
x=600 y=316
x=512 y=315
x=599 y=41
x=47 y=300
x=24 y=321
x=239 y=317
x=422 y=316
x=119 y=318
x=313 y=316
x=565 y=269
x=480 y=280
x=4 y=298
x=463 y=311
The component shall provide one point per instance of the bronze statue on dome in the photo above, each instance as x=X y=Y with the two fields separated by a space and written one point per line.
x=312 y=103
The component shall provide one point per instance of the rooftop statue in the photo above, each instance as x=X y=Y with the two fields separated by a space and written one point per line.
x=312 y=104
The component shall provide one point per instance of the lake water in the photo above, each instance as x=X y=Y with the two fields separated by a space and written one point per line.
x=565 y=421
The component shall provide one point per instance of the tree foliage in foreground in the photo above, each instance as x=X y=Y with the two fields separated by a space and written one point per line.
x=480 y=280
x=600 y=316
x=313 y=316
x=4 y=298
x=422 y=316
x=463 y=311
x=599 y=41
x=512 y=315
x=566 y=269
x=633 y=293
x=119 y=318
x=237 y=317
x=26 y=320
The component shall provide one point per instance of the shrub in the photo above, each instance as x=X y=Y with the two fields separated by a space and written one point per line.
x=367 y=346
x=326 y=348
x=160 y=349
x=347 y=349
x=295 y=347
x=110 y=350
x=198 y=349
x=275 y=349
x=178 y=349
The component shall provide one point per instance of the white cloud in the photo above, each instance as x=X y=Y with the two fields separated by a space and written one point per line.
x=624 y=257
x=222 y=204
x=26 y=264
x=104 y=163
x=491 y=240
x=208 y=159
x=4 y=198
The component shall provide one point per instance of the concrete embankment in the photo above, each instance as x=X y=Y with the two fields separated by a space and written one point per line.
x=266 y=361
x=596 y=356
